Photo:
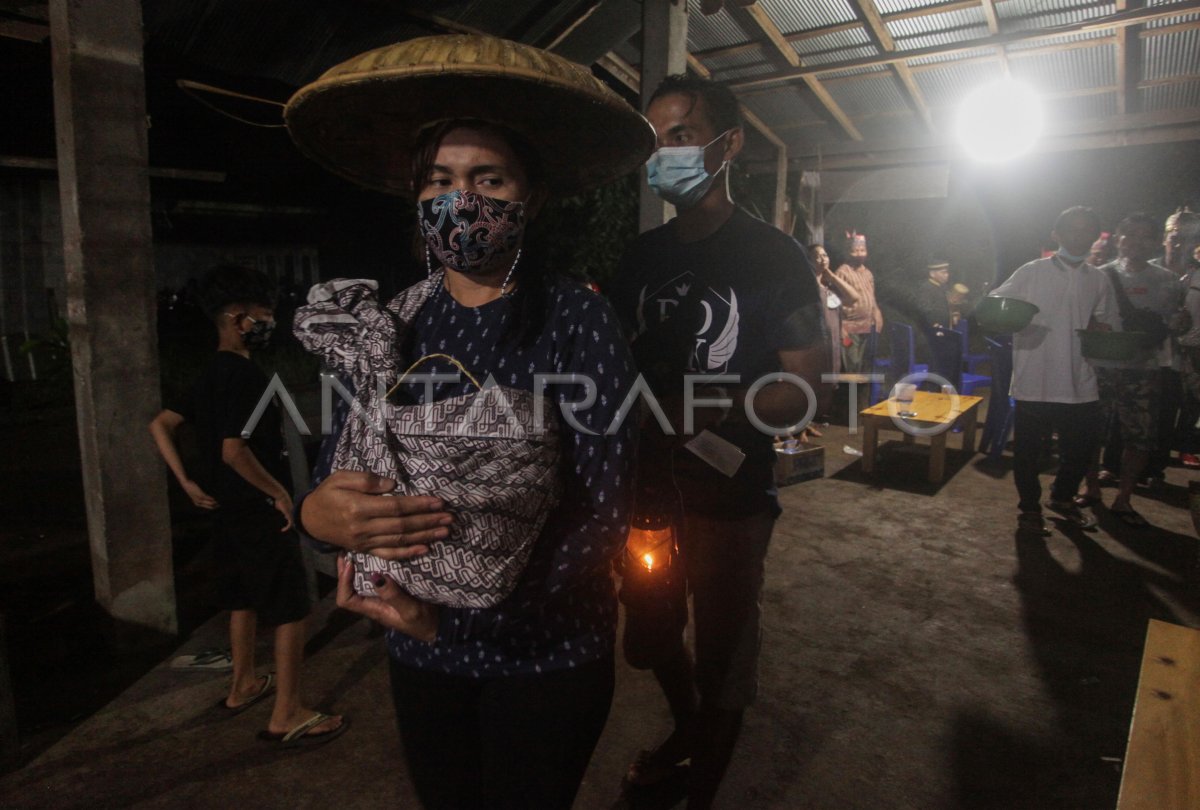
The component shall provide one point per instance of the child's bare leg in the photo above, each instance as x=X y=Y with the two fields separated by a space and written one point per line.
x=289 y=712
x=243 y=625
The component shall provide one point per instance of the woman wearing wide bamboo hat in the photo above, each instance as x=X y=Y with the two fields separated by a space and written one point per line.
x=497 y=706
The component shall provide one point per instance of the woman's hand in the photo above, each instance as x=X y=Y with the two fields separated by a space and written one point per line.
x=199 y=496
x=392 y=607
x=349 y=509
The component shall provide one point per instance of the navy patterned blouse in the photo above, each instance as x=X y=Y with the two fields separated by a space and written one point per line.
x=563 y=611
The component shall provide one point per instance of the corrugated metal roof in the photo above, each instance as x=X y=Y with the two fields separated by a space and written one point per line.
x=855 y=37
x=779 y=105
x=1101 y=105
x=1066 y=39
x=947 y=85
x=938 y=38
x=898 y=127
x=1176 y=54
x=1181 y=95
x=971 y=19
x=1068 y=70
x=754 y=62
x=705 y=32
x=1024 y=15
x=790 y=16
x=846 y=55
x=1183 y=18
x=868 y=96
x=895 y=6
x=937 y=59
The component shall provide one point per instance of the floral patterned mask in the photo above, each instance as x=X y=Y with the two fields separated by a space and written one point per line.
x=466 y=231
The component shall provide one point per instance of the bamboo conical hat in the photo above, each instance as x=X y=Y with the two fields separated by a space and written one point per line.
x=361 y=119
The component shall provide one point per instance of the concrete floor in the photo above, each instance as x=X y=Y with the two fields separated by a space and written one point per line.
x=917 y=654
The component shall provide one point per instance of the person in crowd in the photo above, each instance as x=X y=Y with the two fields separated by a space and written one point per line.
x=932 y=308
x=712 y=292
x=242 y=477
x=957 y=298
x=1054 y=386
x=1103 y=250
x=1131 y=390
x=1178 y=410
x=835 y=293
x=860 y=318
x=501 y=706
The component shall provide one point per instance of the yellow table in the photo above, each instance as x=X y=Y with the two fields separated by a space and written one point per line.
x=932 y=411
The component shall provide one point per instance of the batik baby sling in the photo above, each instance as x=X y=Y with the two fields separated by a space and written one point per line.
x=492 y=455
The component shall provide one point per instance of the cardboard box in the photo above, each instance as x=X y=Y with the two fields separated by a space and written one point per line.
x=802 y=463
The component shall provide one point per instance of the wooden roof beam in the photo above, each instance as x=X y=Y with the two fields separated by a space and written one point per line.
x=753 y=120
x=869 y=13
x=775 y=37
x=1120 y=21
x=1129 y=61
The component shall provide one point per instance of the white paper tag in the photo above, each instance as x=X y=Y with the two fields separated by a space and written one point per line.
x=722 y=455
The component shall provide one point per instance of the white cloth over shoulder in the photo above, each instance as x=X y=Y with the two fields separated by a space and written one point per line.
x=1048 y=363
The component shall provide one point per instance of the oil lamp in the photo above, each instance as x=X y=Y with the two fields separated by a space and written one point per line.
x=651 y=543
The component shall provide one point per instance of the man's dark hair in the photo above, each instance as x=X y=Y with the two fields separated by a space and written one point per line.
x=228 y=284
x=1136 y=219
x=1076 y=212
x=719 y=101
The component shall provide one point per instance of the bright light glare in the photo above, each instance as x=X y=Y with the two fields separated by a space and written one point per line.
x=1000 y=121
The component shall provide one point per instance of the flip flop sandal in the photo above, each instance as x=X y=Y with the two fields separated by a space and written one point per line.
x=266 y=691
x=648 y=769
x=207 y=661
x=1130 y=518
x=299 y=736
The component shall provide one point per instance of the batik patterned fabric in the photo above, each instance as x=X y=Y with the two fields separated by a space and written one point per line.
x=491 y=455
x=464 y=230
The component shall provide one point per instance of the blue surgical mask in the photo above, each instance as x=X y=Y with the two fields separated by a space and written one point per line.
x=1071 y=257
x=677 y=173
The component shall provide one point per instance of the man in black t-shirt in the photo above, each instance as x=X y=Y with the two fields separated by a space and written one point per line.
x=718 y=293
x=242 y=478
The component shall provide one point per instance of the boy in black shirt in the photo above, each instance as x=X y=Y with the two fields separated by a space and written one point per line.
x=242 y=478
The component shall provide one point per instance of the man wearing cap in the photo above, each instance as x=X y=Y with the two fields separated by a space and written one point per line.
x=933 y=309
x=713 y=292
x=858 y=318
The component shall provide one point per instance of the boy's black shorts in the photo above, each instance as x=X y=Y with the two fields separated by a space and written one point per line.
x=258 y=567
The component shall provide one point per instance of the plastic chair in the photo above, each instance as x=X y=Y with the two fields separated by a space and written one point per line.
x=900 y=336
x=876 y=364
x=970 y=359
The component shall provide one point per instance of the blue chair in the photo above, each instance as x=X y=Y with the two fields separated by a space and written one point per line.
x=971 y=360
x=904 y=362
x=877 y=365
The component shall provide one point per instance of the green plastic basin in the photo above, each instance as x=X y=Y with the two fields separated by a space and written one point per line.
x=1003 y=315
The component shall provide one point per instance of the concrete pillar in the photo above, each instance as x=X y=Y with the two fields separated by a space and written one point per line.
x=664 y=53
x=100 y=122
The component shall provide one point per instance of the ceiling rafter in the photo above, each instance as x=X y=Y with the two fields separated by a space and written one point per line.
x=1129 y=61
x=869 y=13
x=1119 y=21
x=775 y=36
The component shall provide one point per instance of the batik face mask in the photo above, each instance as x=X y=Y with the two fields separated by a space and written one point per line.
x=466 y=231
x=677 y=173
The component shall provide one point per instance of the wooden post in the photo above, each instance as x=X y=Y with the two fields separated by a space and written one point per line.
x=664 y=53
x=100 y=123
